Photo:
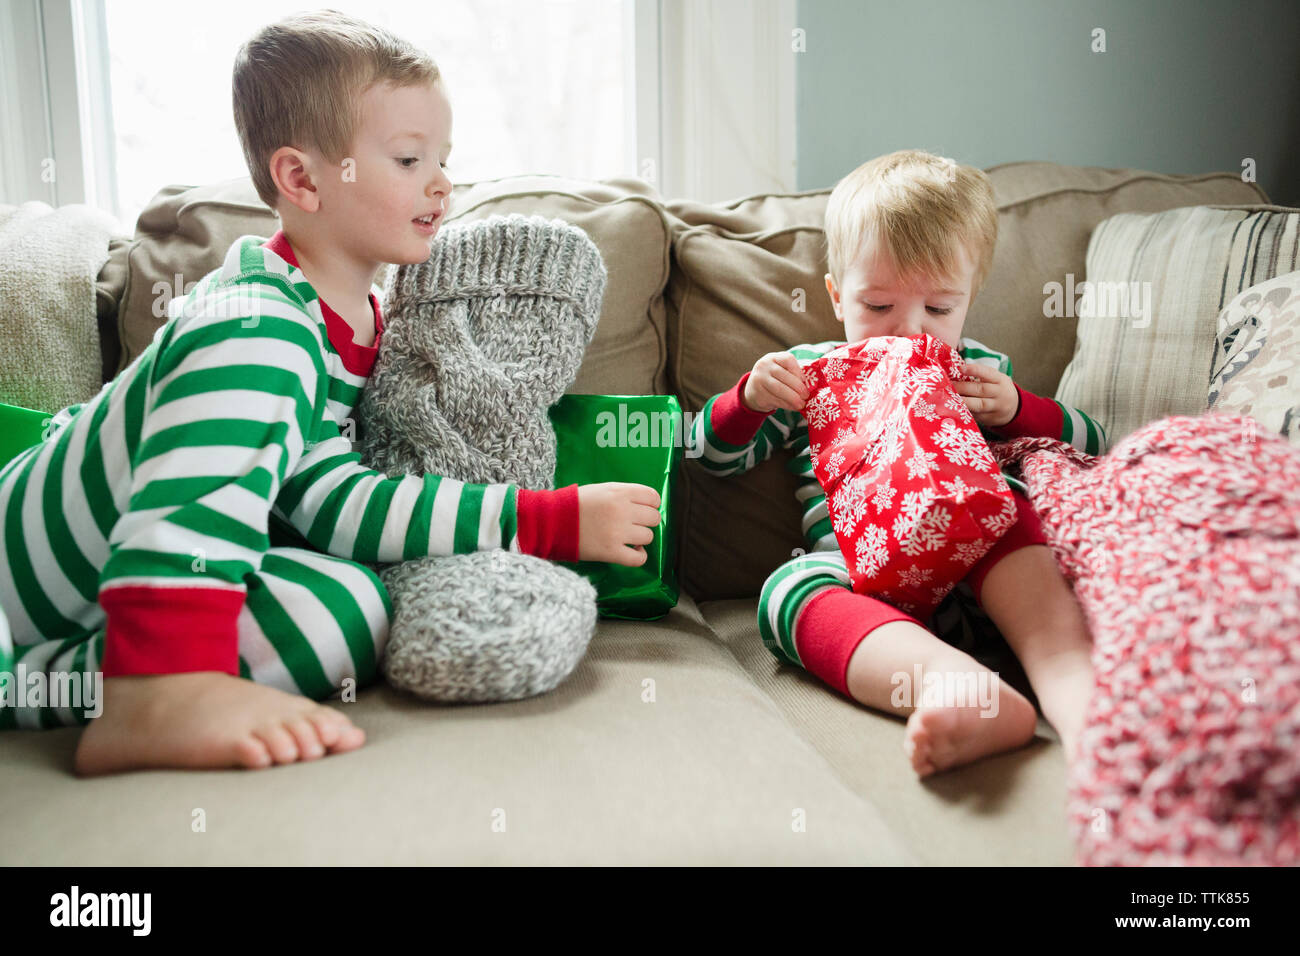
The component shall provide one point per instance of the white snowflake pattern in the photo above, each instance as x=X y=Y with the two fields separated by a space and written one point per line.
x=923 y=409
x=836 y=463
x=921 y=463
x=884 y=496
x=811 y=378
x=930 y=533
x=871 y=550
x=814 y=449
x=850 y=505
x=843 y=435
x=962 y=446
x=834 y=368
x=968 y=552
x=915 y=379
x=823 y=409
x=938 y=594
x=915 y=577
x=959 y=490
x=910 y=510
x=889 y=444
x=954 y=402
x=998 y=524
x=860 y=399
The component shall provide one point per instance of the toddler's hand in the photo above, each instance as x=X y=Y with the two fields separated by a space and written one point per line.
x=776 y=382
x=992 y=400
x=615 y=519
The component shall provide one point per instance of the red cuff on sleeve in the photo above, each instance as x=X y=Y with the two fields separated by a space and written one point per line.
x=547 y=522
x=731 y=420
x=170 y=630
x=1037 y=417
x=832 y=625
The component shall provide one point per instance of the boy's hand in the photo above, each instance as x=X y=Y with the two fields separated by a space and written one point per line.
x=615 y=519
x=992 y=400
x=776 y=382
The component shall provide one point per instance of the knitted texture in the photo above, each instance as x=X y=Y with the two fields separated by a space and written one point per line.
x=486 y=626
x=479 y=341
x=49 y=260
x=1183 y=547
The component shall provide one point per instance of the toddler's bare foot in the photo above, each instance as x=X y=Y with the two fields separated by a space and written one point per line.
x=940 y=737
x=207 y=719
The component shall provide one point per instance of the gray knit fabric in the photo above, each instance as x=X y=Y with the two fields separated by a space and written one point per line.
x=479 y=341
x=487 y=626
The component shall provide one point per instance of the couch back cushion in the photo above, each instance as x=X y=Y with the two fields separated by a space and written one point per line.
x=184 y=234
x=1156 y=285
x=748 y=279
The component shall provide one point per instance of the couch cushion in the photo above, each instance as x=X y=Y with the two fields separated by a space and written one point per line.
x=1130 y=368
x=1007 y=810
x=591 y=773
x=747 y=279
x=1256 y=368
x=629 y=353
x=181 y=236
x=186 y=231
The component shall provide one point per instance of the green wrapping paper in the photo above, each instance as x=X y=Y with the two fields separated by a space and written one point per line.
x=634 y=438
x=20 y=429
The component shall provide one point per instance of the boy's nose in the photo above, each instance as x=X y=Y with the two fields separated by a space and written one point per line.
x=439 y=184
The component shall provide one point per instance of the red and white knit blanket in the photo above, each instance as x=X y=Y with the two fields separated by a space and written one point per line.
x=1183 y=547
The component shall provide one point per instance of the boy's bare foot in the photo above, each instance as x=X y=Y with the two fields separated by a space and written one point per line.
x=207 y=719
x=940 y=737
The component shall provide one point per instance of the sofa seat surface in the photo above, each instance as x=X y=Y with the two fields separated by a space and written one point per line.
x=710 y=772
x=1005 y=810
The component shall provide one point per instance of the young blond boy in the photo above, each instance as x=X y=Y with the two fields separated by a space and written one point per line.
x=136 y=537
x=910 y=241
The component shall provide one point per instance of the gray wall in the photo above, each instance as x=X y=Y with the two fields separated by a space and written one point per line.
x=1185 y=86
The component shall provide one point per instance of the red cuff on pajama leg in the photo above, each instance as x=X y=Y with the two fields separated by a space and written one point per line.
x=832 y=625
x=1027 y=530
x=154 y=630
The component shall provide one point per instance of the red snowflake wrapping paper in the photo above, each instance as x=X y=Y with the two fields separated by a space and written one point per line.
x=914 y=494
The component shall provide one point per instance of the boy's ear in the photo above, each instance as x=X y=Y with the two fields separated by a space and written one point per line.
x=835 y=296
x=289 y=171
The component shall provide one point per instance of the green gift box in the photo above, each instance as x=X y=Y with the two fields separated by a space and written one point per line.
x=20 y=429
x=632 y=438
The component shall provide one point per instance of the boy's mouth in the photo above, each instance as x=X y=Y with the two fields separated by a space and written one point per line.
x=427 y=220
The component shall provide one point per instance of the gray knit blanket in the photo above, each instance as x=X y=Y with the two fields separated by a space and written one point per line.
x=49 y=260
x=479 y=341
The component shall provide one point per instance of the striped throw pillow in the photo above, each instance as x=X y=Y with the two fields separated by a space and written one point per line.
x=1147 y=312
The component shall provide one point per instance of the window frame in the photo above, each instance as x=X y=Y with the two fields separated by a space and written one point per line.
x=55 y=55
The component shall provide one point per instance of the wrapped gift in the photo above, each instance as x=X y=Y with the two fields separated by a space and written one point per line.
x=633 y=438
x=20 y=429
x=914 y=494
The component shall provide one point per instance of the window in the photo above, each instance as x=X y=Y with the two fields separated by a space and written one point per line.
x=534 y=87
x=123 y=97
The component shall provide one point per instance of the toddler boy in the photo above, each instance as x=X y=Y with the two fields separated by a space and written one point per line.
x=910 y=240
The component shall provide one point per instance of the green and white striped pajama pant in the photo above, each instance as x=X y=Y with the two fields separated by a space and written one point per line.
x=310 y=621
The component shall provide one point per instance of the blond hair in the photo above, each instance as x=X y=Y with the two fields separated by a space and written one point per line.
x=918 y=209
x=299 y=83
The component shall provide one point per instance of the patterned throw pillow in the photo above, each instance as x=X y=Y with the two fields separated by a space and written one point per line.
x=1155 y=283
x=1256 y=368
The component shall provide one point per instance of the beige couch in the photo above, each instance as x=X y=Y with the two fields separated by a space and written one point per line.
x=732 y=758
